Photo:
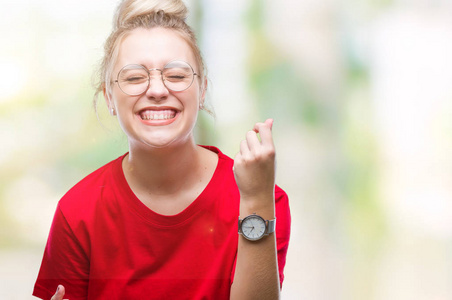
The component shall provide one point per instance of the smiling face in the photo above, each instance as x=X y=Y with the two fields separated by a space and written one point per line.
x=159 y=117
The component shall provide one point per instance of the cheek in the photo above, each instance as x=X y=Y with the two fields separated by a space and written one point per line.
x=122 y=100
x=190 y=99
x=112 y=96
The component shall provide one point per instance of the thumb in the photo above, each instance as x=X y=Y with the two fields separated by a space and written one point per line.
x=269 y=122
x=59 y=293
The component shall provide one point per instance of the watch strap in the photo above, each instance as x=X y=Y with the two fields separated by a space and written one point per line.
x=271 y=224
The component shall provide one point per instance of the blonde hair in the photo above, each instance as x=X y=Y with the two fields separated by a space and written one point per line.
x=132 y=14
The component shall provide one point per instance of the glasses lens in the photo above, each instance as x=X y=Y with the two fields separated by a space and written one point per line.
x=178 y=75
x=133 y=80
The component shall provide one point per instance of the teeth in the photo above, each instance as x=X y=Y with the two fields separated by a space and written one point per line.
x=157 y=114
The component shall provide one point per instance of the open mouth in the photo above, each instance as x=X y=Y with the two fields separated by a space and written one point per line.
x=166 y=114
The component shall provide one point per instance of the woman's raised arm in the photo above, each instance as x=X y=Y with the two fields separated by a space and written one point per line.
x=256 y=274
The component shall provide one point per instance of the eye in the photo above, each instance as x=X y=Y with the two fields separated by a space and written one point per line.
x=175 y=75
x=135 y=79
x=133 y=74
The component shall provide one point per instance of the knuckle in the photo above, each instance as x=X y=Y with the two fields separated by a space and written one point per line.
x=258 y=126
x=271 y=153
x=250 y=133
x=258 y=155
x=248 y=159
x=265 y=154
x=238 y=160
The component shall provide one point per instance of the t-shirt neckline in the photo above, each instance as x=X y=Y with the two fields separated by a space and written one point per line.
x=150 y=216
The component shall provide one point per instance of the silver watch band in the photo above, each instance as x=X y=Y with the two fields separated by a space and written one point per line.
x=271 y=224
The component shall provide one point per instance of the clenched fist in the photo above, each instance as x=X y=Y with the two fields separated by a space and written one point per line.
x=254 y=165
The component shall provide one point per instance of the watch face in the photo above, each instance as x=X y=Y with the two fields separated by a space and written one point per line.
x=253 y=227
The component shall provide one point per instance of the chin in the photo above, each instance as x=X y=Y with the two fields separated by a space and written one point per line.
x=159 y=137
x=164 y=141
x=158 y=144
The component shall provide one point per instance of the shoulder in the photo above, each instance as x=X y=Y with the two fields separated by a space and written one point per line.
x=225 y=163
x=223 y=158
x=87 y=191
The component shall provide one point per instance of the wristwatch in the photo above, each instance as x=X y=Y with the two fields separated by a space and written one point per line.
x=254 y=227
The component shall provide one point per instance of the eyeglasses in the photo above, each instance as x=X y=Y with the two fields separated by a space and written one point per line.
x=135 y=80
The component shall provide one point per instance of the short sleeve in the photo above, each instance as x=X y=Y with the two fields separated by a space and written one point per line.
x=282 y=230
x=64 y=262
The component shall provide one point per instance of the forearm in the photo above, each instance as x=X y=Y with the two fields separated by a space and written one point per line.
x=256 y=274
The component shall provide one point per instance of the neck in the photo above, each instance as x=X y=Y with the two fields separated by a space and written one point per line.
x=162 y=170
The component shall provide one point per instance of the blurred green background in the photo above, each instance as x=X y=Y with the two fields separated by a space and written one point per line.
x=361 y=96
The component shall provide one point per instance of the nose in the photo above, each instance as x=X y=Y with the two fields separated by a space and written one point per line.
x=157 y=89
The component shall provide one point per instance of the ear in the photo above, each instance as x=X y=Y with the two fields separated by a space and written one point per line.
x=110 y=105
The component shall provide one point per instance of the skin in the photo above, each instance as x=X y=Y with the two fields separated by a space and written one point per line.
x=181 y=169
x=59 y=294
x=256 y=275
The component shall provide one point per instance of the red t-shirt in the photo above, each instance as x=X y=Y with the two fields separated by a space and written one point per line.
x=104 y=243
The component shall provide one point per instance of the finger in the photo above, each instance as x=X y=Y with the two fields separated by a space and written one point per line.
x=266 y=136
x=265 y=132
x=257 y=126
x=252 y=140
x=59 y=293
x=244 y=150
x=270 y=123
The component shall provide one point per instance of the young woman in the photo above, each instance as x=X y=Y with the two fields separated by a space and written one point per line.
x=169 y=219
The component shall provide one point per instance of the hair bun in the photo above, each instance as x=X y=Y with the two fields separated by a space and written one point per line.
x=131 y=9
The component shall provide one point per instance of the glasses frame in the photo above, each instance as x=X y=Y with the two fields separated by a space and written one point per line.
x=161 y=77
